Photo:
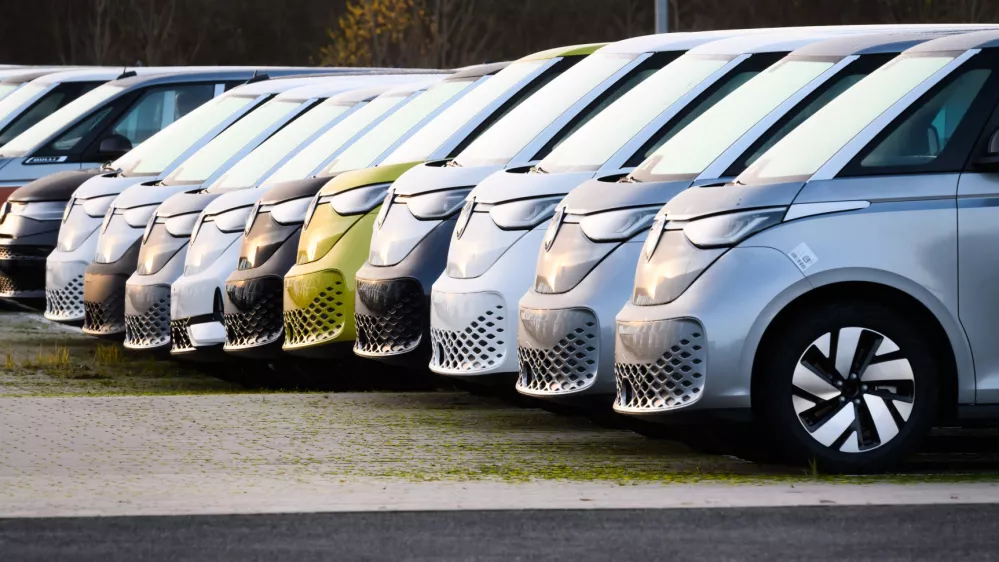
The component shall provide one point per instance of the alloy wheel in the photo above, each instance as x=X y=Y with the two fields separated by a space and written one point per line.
x=853 y=390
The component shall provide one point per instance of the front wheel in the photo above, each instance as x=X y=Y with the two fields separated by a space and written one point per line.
x=850 y=387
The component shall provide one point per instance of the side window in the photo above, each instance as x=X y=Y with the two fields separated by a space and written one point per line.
x=74 y=135
x=935 y=136
x=158 y=108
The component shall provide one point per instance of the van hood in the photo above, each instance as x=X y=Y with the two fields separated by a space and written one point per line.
x=147 y=193
x=701 y=201
x=366 y=176
x=233 y=199
x=595 y=196
x=186 y=202
x=106 y=184
x=435 y=176
x=293 y=189
x=53 y=187
x=506 y=185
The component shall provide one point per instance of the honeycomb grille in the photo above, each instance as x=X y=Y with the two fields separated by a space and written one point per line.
x=399 y=328
x=321 y=320
x=65 y=303
x=567 y=366
x=259 y=324
x=180 y=340
x=151 y=328
x=480 y=346
x=673 y=380
x=107 y=317
x=6 y=253
x=7 y=285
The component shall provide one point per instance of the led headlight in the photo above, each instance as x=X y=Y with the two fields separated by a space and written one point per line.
x=357 y=201
x=182 y=226
x=437 y=205
x=138 y=216
x=525 y=214
x=291 y=212
x=614 y=226
x=96 y=206
x=729 y=229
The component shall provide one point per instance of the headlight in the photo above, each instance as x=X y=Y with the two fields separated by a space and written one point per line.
x=182 y=226
x=233 y=220
x=97 y=206
x=617 y=225
x=291 y=212
x=437 y=205
x=357 y=201
x=38 y=210
x=730 y=229
x=524 y=214
x=139 y=216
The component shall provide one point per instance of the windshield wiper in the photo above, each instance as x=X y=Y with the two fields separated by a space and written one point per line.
x=538 y=170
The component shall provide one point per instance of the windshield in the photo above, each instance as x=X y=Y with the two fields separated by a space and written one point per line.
x=696 y=146
x=308 y=159
x=422 y=143
x=375 y=142
x=595 y=142
x=23 y=95
x=59 y=120
x=252 y=167
x=209 y=158
x=162 y=149
x=803 y=151
x=6 y=89
x=517 y=129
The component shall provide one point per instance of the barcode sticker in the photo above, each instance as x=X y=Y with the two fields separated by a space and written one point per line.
x=803 y=257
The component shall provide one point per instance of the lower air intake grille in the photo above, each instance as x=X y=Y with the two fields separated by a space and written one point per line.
x=397 y=313
x=566 y=364
x=479 y=347
x=107 y=317
x=150 y=328
x=180 y=340
x=321 y=320
x=65 y=303
x=672 y=380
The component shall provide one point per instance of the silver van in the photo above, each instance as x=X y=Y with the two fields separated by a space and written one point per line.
x=838 y=292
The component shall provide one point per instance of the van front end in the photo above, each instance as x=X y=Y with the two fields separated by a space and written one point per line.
x=29 y=230
x=319 y=291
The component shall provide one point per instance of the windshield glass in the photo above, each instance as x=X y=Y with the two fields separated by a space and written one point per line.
x=803 y=151
x=16 y=100
x=599 y=139
x=517 y=129
x=252 y=167
x=156 y=154
x=422 y=143
x=6 y=89
x=309 y=159
x=59 y=120
x=696 y=146
x=209 y=158
x=375 y=142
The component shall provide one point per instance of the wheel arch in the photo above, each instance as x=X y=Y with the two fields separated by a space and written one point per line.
x=957 y=384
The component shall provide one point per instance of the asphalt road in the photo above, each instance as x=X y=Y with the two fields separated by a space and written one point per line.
x=882 y=533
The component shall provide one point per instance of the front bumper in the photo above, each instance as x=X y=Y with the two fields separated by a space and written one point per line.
x=318 y=300
x=565 y=343
x=64 y=274
x=147 y=306
x=104 y=294
x=254 y=313
x=473 y=328
x=196 y=300
x=696 y=352
x=392 y=308
x=22 y=270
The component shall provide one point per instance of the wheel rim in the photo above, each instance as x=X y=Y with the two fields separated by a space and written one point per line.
x=853 y=390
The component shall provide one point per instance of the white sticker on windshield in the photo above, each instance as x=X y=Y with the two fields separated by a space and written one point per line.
x=803 y=257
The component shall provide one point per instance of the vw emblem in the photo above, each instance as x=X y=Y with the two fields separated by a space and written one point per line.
x=553 y=227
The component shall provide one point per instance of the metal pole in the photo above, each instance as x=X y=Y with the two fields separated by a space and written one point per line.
x=662 y=16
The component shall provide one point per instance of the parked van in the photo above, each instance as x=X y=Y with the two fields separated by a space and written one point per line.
x=585 y=265
x=837 y=291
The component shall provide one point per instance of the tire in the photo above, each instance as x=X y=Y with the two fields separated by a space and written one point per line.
x=849 y=387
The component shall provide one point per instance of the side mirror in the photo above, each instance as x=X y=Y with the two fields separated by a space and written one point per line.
x=989 y=162
x=114 y=147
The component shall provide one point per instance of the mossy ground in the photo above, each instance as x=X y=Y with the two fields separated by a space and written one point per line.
x=82 y=409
